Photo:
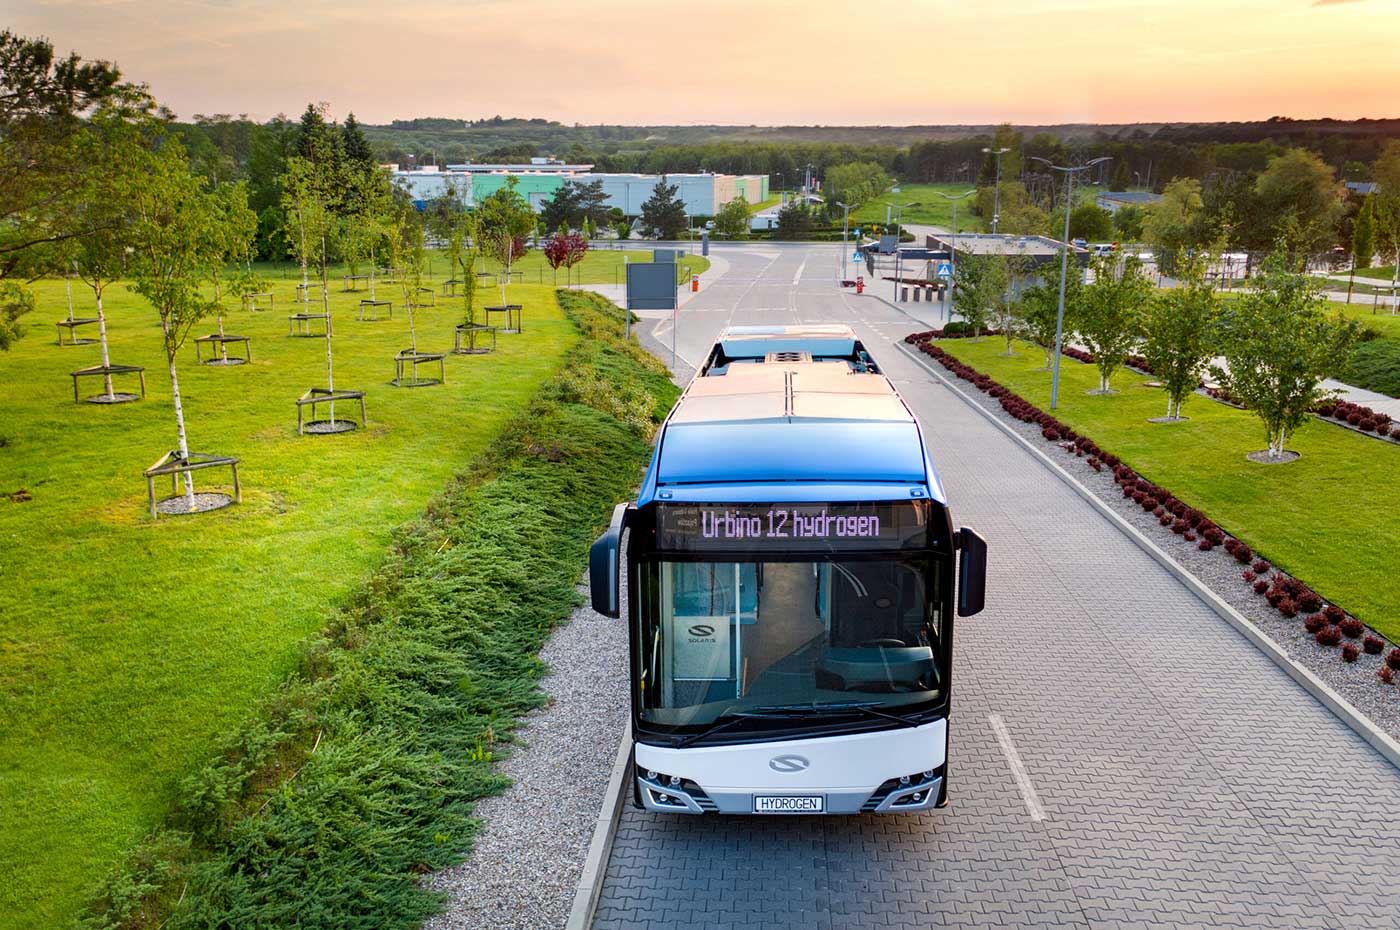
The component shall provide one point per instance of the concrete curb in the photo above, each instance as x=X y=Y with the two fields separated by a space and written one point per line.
x=590 y=883
x=1388 y=748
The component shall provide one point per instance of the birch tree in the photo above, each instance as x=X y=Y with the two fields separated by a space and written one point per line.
x=1279 y=345
x=1040 y=307
x=1110 y=313
x=172 y=231
x=1180 y=328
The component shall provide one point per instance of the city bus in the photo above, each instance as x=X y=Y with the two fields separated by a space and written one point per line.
x=789 y=568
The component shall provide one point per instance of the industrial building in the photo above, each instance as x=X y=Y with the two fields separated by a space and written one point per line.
x=702 y=193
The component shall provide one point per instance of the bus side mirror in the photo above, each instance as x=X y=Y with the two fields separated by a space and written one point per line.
x=972 y=572
x=603 y=566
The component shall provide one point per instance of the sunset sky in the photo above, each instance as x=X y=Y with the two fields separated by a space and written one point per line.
x=748 y=61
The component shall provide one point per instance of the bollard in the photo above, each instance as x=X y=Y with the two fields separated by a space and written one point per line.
x=694 y=283
x=903 y=294
x=918 y=294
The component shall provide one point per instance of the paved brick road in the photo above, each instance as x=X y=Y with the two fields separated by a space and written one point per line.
x=1185 y=780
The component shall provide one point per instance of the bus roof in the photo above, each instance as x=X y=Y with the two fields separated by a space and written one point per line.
x=790 y=413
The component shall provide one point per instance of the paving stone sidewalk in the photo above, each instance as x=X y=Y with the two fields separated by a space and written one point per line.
x=1186 y=780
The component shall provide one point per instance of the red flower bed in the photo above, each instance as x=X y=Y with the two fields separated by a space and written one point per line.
x=1358 y=415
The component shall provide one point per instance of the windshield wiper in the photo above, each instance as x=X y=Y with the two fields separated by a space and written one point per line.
x=732 y=718
x=868 y=708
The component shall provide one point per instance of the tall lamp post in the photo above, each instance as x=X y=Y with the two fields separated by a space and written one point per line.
x=897 y=210
x=996 y=189
x=1069 y=173
x=953 y=251
x=845 y=228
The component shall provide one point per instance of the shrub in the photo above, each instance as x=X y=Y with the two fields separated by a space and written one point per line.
x=1367 y=425
x=1392 y=658
x=1261 y=567
x=1373 y=644
x=1314 y=623
x=1189 y=536
x=1205 y=545
x=1351 y=627
x=1333 y=613
x=1243 y=554
x=1248 y=576
x=1385 y=674
x=1165 y=519
x=1178 y=526
x=1050 y=434
x=1261 y=586
x=1350 y=652
x=1309 y=601
x=1328 y=636
x=1276 y=596
x=1159 y=513
x=1290 y=609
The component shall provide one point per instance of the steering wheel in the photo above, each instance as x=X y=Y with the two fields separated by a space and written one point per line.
x=887 y=643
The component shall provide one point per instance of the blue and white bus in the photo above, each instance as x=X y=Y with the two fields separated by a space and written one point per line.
x=790 y=588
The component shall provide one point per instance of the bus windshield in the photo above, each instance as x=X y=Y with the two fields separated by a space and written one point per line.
x=718 y=638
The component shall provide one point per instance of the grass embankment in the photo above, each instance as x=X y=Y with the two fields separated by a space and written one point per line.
x=126 y=645
x=1316 y=518
x=359 y=774
x=926 y=207
x=602 y=265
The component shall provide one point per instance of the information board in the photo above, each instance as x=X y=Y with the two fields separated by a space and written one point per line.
x=802 y=527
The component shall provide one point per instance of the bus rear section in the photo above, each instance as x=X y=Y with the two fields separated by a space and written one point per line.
x=791 y=589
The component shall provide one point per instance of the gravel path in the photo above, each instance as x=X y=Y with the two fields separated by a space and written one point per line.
x=1356 y=682
x=526 y=862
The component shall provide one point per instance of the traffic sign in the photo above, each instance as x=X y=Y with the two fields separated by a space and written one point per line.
x=945 y=269
x=855 y=257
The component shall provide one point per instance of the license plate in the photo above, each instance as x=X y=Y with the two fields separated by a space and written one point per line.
x=789 y=804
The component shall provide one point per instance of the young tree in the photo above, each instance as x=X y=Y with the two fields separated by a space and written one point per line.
x=795 y=220
x=1090 y=222
x=1040 y=307
x=1279 y=345
x=409 y=253
x=556 y=252
x=1127 y=221
x=1386 y=209
x=1110 y=313
x=502 y=221
x=306 y=199
x=1005 y=308
x=231 y=235
x=1174 y=224
x=1180 y=331
x=733 y=219
x=1363 y=235
x=173 y=236
x=976 y=288
x=575 y=251
x=663 y=213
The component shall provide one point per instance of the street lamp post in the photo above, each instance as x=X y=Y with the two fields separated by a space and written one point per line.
x=1069 y=173
x=845 y=228
x=953 y=250
x=898 y=210
x=996 y=188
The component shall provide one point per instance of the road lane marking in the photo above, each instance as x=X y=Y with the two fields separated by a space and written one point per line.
x=1018 y=769
x=798 y=277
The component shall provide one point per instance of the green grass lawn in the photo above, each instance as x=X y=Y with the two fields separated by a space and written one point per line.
x=126 y=645
x=927 y=208
x=1384 y=274
x=1320 y=517
x=599 y=266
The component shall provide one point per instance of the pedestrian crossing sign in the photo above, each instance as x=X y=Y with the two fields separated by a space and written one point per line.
x=945 y=269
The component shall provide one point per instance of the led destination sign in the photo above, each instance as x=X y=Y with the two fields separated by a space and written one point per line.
x=882 y=525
